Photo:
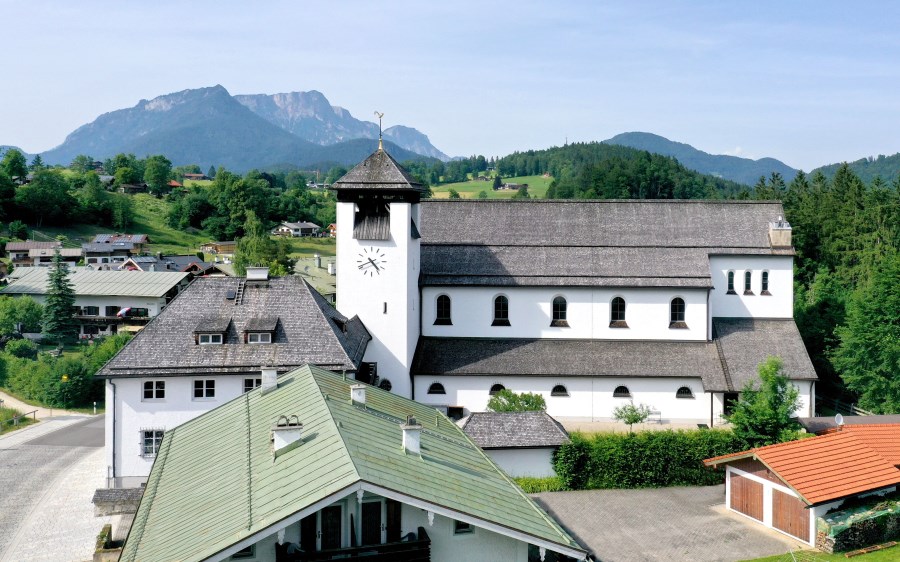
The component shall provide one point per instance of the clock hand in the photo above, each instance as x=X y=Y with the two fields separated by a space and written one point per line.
x=375 y=265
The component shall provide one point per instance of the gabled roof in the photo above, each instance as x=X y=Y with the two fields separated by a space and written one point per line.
x=500 y=430
x=631 y=243
x=309 y=331
x=215 y=481
x=48 y=252
x=106 y=247
x=101 y=283
x=108 y=238
x=827 y=467
x=31 y=245
x=379 y=172
x=298 y=225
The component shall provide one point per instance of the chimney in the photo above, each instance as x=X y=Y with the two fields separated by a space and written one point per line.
x=412 y=432
x=257 y=273
x=286 y=432
x=358 y=394
x=318 y=260
x=331 y=268
x=780 y=233
x=269 y=379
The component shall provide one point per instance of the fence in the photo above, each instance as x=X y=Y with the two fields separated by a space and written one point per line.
x=840 y=407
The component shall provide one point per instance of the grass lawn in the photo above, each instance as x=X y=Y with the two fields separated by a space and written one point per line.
x=887 y=555
x=305 y=247
x=7 y=414
x=150 y=219
x=537 y=187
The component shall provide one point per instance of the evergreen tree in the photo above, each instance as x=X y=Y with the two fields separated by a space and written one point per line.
x=59 y=308
x=37 y=163
x=211 y=174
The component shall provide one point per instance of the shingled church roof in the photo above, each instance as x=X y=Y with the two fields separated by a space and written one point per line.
x=380 y=172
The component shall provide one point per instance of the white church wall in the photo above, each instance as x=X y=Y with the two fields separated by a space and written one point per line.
x=134 y=414
x=524 y=462
x=590 y=398
x=781 y=286
x=647 y=313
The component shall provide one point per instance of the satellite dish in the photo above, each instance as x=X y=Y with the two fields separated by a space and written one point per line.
x=839 y=420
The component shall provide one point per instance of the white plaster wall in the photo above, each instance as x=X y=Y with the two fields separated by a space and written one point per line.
x=590 y=398
x=395 y=332
x=480 y=545
x=781 y=286
x=524 y=462
x=154 y=305
x=588 y=313
x=134 y=414
x=768 y=486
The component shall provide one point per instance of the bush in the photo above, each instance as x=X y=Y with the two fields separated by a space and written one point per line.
x=508 y=401
x=650 y=459
x=24 y=349
x=531 y=485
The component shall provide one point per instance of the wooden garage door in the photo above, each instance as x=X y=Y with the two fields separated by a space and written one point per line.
x=747 y=497
x=790 y=515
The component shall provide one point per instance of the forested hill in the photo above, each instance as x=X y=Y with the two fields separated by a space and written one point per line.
x=867 y=169
x=605 y=171
x=741 y=170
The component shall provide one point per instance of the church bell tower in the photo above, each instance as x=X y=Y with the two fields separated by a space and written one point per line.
x=378 y=253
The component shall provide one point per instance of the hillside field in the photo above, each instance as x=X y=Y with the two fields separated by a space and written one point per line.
x=537 y=187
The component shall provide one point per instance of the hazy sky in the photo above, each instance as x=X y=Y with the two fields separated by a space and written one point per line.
x=809 y=83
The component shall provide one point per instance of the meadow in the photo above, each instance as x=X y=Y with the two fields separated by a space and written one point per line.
x=537 y=187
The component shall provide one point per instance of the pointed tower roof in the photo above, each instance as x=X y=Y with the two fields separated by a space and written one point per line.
x=378 y=172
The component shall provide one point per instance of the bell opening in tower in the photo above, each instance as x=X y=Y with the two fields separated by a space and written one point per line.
x=372 y=220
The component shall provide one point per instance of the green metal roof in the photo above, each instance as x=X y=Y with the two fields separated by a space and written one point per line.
x=215 y=481
x=101 y=283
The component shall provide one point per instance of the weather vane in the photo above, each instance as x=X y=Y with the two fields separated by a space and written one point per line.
x=379 y=115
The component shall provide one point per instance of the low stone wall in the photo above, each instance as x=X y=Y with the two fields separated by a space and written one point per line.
x=858 y=527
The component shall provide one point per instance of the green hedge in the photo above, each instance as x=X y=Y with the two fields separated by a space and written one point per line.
x=532 y=485
x=649 y=459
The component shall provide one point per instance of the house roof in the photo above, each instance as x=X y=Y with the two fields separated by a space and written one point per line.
x=569 y=357
x=47 y=252
x=31 y=245
x=297 y=225
x=501 y=430
x=379 y=172
x=745 y=343
x=108 y=238
x=309 y=331
x=101 y=283
x=827 y=467
x=823 y=423
x=215 y=481
x=634 y=243
x=106 y=247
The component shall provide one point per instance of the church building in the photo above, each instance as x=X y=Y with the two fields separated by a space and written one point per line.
x=591 y=304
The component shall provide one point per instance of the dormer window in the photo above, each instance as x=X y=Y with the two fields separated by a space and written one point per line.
x=209 y=339
x=259 y=337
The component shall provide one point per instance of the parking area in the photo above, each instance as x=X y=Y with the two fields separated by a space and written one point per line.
x=669 y=524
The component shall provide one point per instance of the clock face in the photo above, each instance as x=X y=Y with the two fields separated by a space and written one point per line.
x=371 y=261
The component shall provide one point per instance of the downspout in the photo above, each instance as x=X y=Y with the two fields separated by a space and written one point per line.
x=113 y=433
x=710 y=410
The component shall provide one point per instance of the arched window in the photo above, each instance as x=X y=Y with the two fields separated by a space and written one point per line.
x=560 y=307
x=617 y=313
x=676 y=313
x=765 y=283
x=436 y=388
x=748 y=277
x=684 y=392
x=501 y=311
x=443 y=311
x=731 y=283
x=559 y=390
x=496 y=388
x=621 y=392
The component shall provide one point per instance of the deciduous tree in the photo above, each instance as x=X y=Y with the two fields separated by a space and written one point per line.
x=763 y=415
x=508 y=401
x=630 y=414
x=14 y=164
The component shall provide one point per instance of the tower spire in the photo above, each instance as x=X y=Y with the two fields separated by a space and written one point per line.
x=380 y=145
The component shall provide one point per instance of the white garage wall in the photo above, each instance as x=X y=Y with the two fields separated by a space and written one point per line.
x=524 y=462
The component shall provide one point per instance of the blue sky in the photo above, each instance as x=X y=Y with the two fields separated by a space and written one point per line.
x=809 y=83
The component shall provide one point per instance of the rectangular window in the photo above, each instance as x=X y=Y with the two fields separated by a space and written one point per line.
x=259 y=337
x=91 y=330
x=210 y=339
x=460 y=528
x=112 y=310
x=248 y=552
x=250 y=384
x=151 y=439
x=205 y=388
x=90 y=311
x=154 y=390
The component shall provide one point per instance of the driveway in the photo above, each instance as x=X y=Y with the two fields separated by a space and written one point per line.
x=665 y=525
x=48 y=474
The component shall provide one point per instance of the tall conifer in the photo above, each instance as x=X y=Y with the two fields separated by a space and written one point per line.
x=59 y=310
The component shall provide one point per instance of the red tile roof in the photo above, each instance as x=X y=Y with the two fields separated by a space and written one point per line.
x=841 y=463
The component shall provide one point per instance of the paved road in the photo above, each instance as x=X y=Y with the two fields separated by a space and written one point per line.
x=48 y=473
x=666 y=525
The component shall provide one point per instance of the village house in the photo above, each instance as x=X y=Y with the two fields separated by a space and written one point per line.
x=107 y=255
x=206 y=348
x=331 y=229
x=224 y=249
x=19 y=253
x=44 y=256
x=521 y=443
x=296 y=229
x=186 y=263
x=312 y=466
x=790 y=487
x=591 y=304
x=195 y=177
x=140 y=242
x=106 y=301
